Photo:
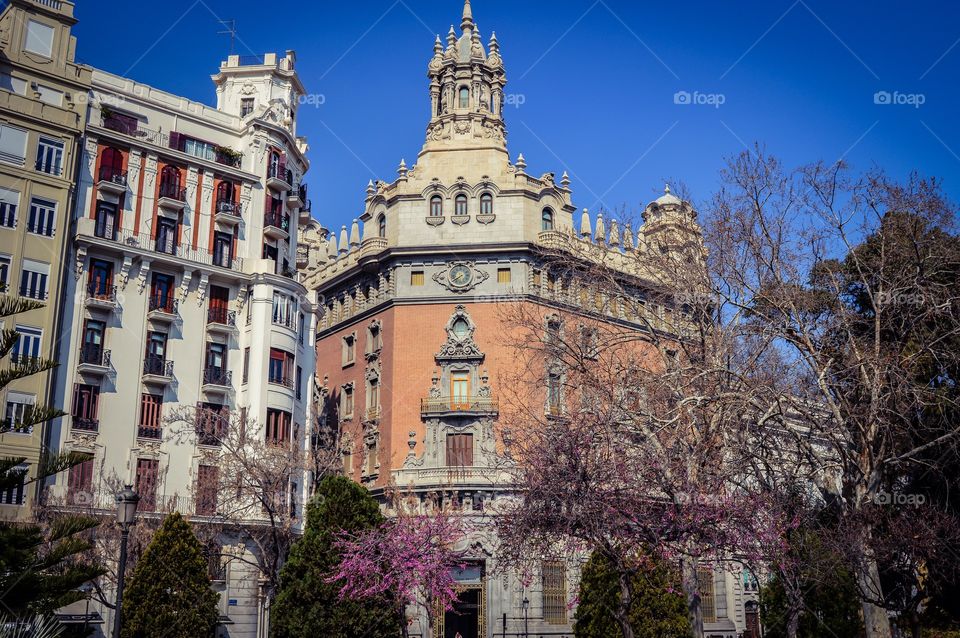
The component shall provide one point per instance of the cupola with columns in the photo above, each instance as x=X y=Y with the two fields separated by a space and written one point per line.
x=466 y=91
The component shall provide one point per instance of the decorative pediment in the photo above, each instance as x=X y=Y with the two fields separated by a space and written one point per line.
x=460 y=345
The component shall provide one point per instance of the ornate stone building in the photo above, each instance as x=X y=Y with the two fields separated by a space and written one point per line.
x=409 y=351
x=182 y=297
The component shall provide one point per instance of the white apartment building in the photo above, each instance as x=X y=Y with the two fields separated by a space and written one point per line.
x=185 y=294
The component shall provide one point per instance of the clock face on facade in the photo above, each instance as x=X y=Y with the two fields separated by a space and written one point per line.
x=460 y=276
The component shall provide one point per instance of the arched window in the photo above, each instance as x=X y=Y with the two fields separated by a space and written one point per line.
x=170 y=181
x=547 y=219
x=464 y=97
x=436 y=206
x=225 y=192
x=382 y=225
x=111 y=164
x=486 y=204
x=461 y=205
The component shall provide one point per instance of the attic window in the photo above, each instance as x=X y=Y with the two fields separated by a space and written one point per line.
x=464 y=97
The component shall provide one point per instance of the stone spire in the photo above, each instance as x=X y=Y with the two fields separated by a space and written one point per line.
x=601 y=235
x=614 y=234
x=343 y=240
x=467 y=22
x=354 y=234
x=585 y=223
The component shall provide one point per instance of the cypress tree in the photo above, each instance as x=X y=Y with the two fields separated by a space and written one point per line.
x=307 y=605
x=659 y=610
x=169 y=594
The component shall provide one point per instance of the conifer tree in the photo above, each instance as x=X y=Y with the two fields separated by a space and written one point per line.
x=658 y=608
x=308 y=604
x=169 y=594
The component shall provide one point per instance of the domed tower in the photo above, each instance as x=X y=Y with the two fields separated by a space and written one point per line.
x=466 y=93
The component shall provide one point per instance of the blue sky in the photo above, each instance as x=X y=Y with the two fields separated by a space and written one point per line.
x=597 y=80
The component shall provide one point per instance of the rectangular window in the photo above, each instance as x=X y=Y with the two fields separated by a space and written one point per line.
x=373 y=396
x=166 y=237
x=148 y=471
x=85 y=400
x=246 y=106
x=13 y=494
x=5 y=262
x=207 y=482
x=554 y=394
x=49 y=95
x=372 y=458
x=105 y=220
x=222 y=249
x=150 y=411
x=100 y=281
x=162 y=293
x=12 y=84
x=554 y=593
x=416 y=278
x=460 y=450
x=346 y=402
x=283 y=310
x=278 y=426
x=13 y=145
x=301 y=320
x=460 y=391
x=299 y=383
x=503 y=275
x=212 y=422
x=41 y=220
x=281 y=365
x=80 y=483
x=91 y=351
x=27 y=345
x=33 y=279
x=17 y=414
x=9 y=200
x=349 y=349
x=707 y=598
x=49 y=156
x=246 y=364
x=39 y=39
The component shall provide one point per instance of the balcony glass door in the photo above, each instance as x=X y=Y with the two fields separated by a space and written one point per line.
x=166 y=236
x=161 y=292
x=156 y=355
x=222 y=249
x=92 y=351
x=459 y=390
x=101 y=279
x=105 y=223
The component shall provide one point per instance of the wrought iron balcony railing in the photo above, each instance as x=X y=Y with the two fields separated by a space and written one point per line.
x=459 y=404
x=94 y=354
x=157 y=366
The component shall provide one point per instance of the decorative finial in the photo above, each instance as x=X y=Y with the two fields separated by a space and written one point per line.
x=565 y=180
x=601 y=233
x=467 y=22
x=354 y=234
x=343 y=240
x=628 y=237
x=494 y=45
x=451 y=37
x=438 y=45
x=521 y=163
x=402 y=169
x=585 y=223
x=666 y=189
x=614 y=234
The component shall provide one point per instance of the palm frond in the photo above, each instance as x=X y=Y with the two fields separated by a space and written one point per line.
x=10 y=305
x=8 y=339
x=25 y=367
x=36 y=627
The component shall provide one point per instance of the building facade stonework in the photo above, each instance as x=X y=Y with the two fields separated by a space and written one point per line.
x=183 y=308
x=411 y=359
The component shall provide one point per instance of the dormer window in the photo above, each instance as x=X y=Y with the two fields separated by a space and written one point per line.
x=436 y=206
x=546 y=219
x=461 y=205
x=464 y=97
x=382 y=226
x=486 y=204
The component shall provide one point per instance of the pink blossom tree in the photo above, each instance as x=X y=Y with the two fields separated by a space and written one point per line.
x=411 y=557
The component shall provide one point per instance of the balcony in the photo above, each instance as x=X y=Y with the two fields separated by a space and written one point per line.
x=163 y=308
x=278 y=179
x=149 y=432
x=293 y=197
x=85 y=424
x=373 y=245
x=157 y=370
x=210 y=425
x=228 y=213
x=286 y=382
x=172 y=197
x=458 y=405
x=125 y=242
x=276 y=225
x=101 y=296
x=112 y=180
x=93 y=359
x=221 y=320
x=217 y=380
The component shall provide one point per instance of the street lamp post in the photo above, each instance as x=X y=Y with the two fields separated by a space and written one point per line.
x=126 y=512
x=526 y=622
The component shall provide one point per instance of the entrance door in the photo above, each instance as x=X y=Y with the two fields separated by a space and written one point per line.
x=464 y=618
